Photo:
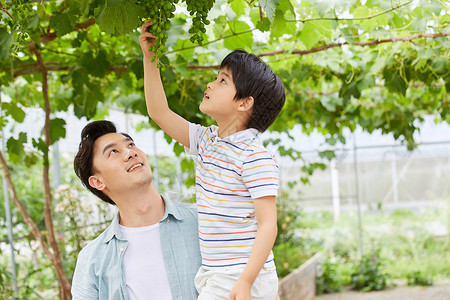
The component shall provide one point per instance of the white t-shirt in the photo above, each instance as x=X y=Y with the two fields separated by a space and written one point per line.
x=145 y=271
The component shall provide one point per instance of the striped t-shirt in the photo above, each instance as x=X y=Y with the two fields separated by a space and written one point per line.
x=231 y=173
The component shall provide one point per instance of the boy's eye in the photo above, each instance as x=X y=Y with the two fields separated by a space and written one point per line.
x=222 y=80
x=130 y=145
x=113 y=151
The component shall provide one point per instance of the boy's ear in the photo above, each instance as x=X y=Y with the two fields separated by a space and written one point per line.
x=246 y=104
x=96 y=183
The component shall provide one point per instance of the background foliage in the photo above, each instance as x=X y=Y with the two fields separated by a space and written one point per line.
x=378 y=64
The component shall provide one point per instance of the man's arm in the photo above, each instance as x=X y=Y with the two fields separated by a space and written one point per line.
x=155 y=97
x=83 y=285
x=266 y=216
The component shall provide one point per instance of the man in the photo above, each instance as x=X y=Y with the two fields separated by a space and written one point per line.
x=151 y=249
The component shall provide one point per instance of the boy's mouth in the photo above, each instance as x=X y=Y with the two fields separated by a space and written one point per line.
x=206 y=96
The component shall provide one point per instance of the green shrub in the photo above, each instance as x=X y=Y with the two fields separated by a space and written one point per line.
x=328 y=279
x=368 y=274
x=418 y=279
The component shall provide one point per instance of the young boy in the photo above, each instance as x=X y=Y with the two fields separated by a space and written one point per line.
x=236 y=177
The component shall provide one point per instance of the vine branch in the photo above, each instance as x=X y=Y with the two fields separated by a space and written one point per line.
x=64 y=286
x=333 y=45
x=353 y=19
x=6 y=11
x=50 y=36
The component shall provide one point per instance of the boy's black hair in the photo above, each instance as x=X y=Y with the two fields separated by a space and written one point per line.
x=252 y=77
x=83 y=162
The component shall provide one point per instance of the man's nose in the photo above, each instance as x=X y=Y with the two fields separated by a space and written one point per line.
x=130 y=154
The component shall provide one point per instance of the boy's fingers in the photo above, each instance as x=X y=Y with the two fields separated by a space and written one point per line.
x=147 y=34
x=146 y=25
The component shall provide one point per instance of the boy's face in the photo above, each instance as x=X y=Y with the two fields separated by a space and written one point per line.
x=119 y=164
x=218 y=101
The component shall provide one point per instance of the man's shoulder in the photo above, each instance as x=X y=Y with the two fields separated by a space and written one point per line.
x=186 y=208
x=95 y=246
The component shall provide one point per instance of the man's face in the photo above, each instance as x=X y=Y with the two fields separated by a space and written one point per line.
x=119 y=165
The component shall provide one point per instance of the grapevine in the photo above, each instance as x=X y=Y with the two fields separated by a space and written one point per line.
x=160 y=12
x=18 y=21
x=199 y=9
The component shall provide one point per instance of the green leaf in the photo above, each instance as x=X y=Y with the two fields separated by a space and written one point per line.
x=309 y=35
x=323 y=6
x=329 y=154
x=176 y=31
x=394 y=82
x=5 y=42
x=33 y=23
x=264 y=25
x=119 y=17
x=178 y=149
x=40 y=145
x=16 y=146
x=57 y=129
x=279 y=25
x=14 y=111
x=238 y=7
x=269 y=7
x=238 y=40
x=63 y=23
x=96 y=66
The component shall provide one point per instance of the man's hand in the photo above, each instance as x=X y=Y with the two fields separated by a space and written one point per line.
x=146 y=39
x=241 y=291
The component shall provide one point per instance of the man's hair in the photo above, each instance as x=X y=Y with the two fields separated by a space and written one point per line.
x=252 y=77
x=83 y=162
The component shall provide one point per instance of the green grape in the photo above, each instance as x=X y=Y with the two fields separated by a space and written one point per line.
x=160 y=12
x=199 y=9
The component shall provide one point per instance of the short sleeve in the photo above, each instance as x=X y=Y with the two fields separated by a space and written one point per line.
x=260 y=174
x=83 y=283
x=195 y=133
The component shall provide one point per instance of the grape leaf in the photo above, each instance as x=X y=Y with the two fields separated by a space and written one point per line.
x=63 y=23
x=57 y=129
x=269 y=7
x=241 y=40
x=5 y=41
x=119 y=17
x=15 y=111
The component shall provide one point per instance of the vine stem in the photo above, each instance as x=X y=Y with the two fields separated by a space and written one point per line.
x=6 y=11
x=333 y=45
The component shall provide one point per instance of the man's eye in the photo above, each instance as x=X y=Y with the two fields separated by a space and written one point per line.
x=112 y=151
x=130 y=145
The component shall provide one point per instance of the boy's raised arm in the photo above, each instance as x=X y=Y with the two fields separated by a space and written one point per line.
x=155 y=97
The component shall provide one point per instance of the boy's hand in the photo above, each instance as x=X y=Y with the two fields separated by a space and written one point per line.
x=241 y=291
x=146 y=39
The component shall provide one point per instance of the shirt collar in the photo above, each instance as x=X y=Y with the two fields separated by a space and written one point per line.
x=240 y=136
x=171 y=209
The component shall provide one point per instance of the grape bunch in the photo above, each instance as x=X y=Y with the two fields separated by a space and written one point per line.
x=198 y=9
x=160 y=12
x=18 y=22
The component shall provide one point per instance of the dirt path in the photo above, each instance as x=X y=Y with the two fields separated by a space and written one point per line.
x=400 y=293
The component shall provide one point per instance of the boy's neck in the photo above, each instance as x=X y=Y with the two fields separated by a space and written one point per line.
x=225 y=131
x=231 y=128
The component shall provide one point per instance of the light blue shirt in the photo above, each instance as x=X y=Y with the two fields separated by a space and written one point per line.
x=99 y=273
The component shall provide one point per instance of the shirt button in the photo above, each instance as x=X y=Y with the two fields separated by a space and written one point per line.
x=168 y=220
x=121 y=249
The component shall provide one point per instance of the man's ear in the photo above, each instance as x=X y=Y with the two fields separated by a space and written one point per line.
x=96 y=183
x=246 y=104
